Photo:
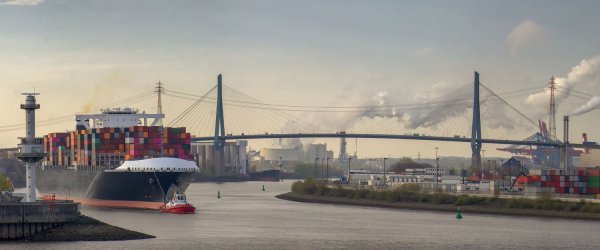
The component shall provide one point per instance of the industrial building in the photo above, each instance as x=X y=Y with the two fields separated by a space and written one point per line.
x=590 y=159
x=289 y=150
x=317 y=150
x=234 y=158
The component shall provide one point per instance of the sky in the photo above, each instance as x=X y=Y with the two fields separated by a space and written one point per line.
x=81 y=55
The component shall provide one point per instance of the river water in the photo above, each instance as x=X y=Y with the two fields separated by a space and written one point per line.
x=247 y=218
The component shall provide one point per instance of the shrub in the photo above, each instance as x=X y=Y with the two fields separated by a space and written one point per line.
x=522 y=203
x=338 y=192
x=322 y=189
x=297 y=187
x=361 y=194
x=372 y=195
x=393 y=196
x=382 y=195
x=443 y=198
x=591 y=208
x=424 y=197
x=410 y=188
x=470 y=200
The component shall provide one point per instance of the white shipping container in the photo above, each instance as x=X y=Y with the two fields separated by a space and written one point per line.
x=535 y=172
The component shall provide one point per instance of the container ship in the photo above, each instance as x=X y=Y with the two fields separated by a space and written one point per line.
x=120 y=156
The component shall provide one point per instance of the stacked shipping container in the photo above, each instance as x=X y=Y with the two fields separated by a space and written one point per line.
x=593 y=181
x=577 y=181
x=55 y=147
x=107 y=147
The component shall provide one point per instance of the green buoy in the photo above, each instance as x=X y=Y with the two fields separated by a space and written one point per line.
x=219 y=194
x=263 y=187
x=458 y=215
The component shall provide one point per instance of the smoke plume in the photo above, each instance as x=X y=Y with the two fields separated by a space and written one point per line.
x=104 y=90
x=592 y=104
x=424 y=115
x=587 y=71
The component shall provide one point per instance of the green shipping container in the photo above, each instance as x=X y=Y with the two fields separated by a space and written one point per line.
x=593 y=181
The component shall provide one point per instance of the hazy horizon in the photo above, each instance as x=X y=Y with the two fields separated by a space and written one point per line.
x=83 y=55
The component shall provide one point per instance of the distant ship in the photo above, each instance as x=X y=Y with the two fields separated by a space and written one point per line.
x=116 y=156
x=265 y=175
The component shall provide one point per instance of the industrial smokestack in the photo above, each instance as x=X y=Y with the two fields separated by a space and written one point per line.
x=566 y=143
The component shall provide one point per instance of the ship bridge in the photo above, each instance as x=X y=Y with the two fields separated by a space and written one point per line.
x=117 y=118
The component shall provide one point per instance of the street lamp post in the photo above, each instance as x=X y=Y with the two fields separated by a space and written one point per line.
x=489 y=167
x=482 y=158
x=316 y=159
x=322 y=170
x=349 y=161
x=437 y=172
x=328 y=169
x=384 y=172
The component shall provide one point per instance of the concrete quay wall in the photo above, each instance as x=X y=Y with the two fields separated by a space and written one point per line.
x=25 y=219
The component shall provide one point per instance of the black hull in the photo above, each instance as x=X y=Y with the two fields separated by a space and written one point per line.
x=107 y=185
x=267 y=175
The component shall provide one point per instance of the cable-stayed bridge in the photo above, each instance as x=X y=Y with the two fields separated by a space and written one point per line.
x=472 y=113
x=463 y=115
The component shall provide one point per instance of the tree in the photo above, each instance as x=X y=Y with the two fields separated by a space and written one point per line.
x=308 y=170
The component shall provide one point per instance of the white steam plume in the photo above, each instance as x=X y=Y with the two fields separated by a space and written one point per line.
x=592 y=104
x=587 y=71
x=424 y=115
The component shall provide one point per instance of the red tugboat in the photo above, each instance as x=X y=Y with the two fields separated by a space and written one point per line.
x=178 y=205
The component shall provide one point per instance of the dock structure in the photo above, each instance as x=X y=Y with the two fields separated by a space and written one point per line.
x=24 y=219
x=30 y=216
x=30 y=148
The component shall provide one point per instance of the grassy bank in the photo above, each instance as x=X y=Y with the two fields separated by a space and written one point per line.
x=412 y=197
x=87 y=229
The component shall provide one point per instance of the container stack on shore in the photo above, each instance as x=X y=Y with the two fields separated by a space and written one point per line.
x=593 y=181
x=575 y=181
x=107 y=147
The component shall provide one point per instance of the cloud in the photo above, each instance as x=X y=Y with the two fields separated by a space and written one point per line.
x=587 y=71
x=425 y=51
x=21 y=2
x=522 y=35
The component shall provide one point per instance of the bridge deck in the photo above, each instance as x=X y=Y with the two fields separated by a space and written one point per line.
x=395 y=137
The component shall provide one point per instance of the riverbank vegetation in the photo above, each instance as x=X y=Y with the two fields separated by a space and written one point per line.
x=411 y=193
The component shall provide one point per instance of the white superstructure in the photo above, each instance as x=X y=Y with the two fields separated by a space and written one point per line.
x=117 y=118
x=162 y=164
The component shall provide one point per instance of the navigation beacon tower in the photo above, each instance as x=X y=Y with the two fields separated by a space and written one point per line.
x=30 y=148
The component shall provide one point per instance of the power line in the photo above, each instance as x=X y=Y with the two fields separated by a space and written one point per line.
x=508 y=94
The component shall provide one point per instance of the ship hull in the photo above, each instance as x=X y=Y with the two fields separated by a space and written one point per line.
x=267 y=175
x=114 y=185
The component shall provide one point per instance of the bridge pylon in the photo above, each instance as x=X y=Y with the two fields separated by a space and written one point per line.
x=476 y=126
x=219 y=143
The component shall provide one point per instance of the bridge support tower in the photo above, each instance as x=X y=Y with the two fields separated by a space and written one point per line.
x=476 y=127
x=219 y=143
